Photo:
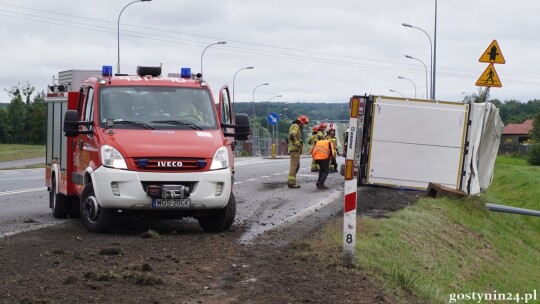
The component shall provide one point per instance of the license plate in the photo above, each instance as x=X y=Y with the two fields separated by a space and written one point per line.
x=171 y=203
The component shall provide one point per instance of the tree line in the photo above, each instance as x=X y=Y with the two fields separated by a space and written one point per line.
x=24 y=119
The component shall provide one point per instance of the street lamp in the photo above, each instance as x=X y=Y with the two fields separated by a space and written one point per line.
x=432 y=96
x=434 y=53
x=118 y=30
x=221 y=42
x=397 y=93
x=401 y=77
x=274 y=97
x=263 y=84
x=425 y=67
x=246 y=68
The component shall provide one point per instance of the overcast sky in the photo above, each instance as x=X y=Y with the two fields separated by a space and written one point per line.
x=308 y=50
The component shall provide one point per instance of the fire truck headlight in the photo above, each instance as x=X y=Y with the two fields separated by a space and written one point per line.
x=221 y=159
x=110 y=157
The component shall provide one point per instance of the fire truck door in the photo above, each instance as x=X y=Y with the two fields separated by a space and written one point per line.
x=85 y=148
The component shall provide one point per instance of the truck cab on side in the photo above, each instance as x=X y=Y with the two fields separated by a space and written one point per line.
x=144 y=145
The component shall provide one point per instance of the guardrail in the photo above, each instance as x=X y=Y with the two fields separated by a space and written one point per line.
x=508 y=209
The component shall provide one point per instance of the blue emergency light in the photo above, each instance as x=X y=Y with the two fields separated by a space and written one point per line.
x=185 y=72
x=106 y=70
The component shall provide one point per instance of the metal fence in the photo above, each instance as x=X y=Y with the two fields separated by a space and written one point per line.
x=522 y=150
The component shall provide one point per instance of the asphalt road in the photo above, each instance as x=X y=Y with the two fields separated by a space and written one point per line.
x=264 y=202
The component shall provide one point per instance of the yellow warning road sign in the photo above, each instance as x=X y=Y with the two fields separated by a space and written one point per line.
x=489 y=78
x=493 y=54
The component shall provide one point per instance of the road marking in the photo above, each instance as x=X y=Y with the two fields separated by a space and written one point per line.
x=265 y=176
x=279 y=173
x=10 y=233
x=22 y=191
x=238 y=183
x=252 y=179
x=33 y=178
x=251 y=233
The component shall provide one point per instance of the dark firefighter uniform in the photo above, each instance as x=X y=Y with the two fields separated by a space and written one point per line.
x=295 y=149
x=332 y=138
x=312 y=141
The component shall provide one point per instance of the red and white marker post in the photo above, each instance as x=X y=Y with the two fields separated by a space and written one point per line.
x=349 y=209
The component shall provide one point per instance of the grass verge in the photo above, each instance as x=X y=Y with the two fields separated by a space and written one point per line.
x=15 y=152
x=440 y=247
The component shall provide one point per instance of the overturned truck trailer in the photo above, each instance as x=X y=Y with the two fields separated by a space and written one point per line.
x=409 y=143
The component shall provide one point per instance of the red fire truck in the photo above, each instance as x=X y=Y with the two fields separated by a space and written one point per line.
x=142 y=145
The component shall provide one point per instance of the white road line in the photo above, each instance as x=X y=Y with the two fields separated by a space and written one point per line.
x=22 y=191
x=279 y=173
x=304 y=213
x=265 y=176
x=252 y=179
x=5 y=234
x=33 y=178
x=238 y=183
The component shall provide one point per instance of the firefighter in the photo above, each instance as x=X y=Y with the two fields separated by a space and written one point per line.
x=312 y=141
x=331 y=136
x=295 y=149
x=322 y=153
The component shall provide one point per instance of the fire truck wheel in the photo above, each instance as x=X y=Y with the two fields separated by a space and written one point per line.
x=95 y=218
x=59 y=202
x=74 y=208
x=219 y=220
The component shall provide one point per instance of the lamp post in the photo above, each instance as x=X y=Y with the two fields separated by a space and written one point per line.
x=221 y=42
x=263 y=84
x=118 y=30
x=246 y=68
x=401 y=77
x=434 y=54
x=425 y=67
x=274 y=97
x=397 y=93
x=432 y=96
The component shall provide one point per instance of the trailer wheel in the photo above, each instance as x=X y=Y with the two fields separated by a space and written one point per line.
x=95 y=218
x=219 y=220
x=58 y=202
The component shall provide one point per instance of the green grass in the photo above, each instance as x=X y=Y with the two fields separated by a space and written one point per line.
x=443 y=246
x=15 y=152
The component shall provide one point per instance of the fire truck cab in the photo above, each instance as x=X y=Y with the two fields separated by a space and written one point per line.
x=142 y=145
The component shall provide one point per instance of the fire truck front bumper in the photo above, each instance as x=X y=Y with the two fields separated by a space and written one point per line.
x=124 y=189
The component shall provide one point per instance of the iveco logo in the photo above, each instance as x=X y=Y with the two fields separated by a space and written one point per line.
x=170 y=164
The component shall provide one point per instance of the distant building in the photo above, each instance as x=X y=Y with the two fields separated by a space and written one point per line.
x=516 y=134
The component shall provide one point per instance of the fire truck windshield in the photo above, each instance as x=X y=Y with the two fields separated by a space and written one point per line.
x=157 y=107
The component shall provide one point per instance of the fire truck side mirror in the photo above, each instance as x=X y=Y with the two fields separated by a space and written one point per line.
x=72 y=123
x=241 y=127
x=242 y=130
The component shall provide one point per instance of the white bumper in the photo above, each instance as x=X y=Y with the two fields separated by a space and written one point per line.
x=206 y=193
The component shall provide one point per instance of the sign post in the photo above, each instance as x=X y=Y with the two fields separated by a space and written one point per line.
x=350 y=189
x=273 y=119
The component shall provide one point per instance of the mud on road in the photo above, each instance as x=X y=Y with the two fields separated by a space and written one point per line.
x=179 y=263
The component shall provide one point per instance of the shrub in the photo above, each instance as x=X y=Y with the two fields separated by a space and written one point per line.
x=534 y=155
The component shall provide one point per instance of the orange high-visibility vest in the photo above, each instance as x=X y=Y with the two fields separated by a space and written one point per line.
x=322 y=149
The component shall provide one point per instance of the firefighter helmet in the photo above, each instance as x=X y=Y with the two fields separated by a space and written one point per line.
x=332 y=129
x=315 y=128
x=303 y=119
x=322 y=126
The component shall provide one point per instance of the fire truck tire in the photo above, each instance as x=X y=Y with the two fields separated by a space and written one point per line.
x=59 y=202
x=95 y=218
x=219 y=220
x=74 y=208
